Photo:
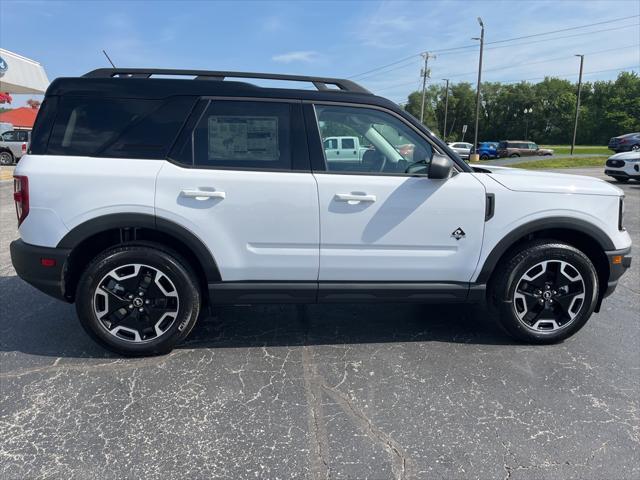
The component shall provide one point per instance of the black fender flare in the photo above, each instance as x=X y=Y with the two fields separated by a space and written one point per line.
x=140 y=220
x=552 y=223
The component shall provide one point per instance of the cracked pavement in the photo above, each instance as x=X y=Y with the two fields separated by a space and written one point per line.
x=320 y=392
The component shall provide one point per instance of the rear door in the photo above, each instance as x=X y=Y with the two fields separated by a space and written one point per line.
x=240 y=180
x=381 y=224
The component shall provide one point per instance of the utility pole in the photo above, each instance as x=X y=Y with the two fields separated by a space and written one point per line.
x=446 y=109
x=475 y=133
x=575 y=123
x=425 y=74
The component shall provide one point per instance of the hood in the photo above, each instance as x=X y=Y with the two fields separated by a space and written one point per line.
x=544 y=182
x=633 y=156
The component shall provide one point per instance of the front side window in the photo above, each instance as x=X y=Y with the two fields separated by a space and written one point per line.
x=10 y=136
x=243 y=134
x=392 y=147
x=331 y=144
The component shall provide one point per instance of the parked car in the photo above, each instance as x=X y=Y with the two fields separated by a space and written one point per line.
x=520 y=148
x=624 y=166
x=144 y=199
x=347 y=149
x=13 y=145
x=463 y=149
x=625 y=143
x=488 y=150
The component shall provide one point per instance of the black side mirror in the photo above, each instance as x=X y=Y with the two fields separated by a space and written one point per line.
x=440 y=166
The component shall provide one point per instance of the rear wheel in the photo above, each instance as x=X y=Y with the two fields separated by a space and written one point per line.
x=514 y=155
x=6 y=158
x=635 y=148
x=545 y=292
x=484 y=156
x=138 y=300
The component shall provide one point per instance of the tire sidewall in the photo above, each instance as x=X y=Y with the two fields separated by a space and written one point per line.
x=534 y=256
x=5 y=154
x=182 y=278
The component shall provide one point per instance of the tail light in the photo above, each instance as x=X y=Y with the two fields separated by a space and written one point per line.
x=21 y=196
x=24 y=148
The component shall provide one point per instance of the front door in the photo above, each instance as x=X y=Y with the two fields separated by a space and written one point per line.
x=240 y=181
x=381 y=224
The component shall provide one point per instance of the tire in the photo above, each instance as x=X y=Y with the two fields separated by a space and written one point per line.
x=484 y=156
x=514 y=155
x=534 y=312
x=6 y=157
x=621 y=179
x=148 y=301
x=635 y=148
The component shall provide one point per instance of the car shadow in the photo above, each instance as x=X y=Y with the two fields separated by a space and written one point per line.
x=43 y=326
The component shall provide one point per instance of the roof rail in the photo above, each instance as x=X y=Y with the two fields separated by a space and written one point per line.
x=321 y=83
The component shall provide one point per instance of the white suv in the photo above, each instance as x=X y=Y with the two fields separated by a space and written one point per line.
x=143 y=199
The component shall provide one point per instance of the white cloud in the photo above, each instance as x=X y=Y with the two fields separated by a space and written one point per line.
x=299 y=56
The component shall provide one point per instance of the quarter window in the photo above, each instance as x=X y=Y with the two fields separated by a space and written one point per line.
x=392 y=146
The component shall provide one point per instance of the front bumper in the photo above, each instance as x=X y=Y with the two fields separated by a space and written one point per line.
x=619 y=262
x=29 y=262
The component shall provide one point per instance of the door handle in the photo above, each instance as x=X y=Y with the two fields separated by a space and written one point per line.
x=203 y=194
x=354 y=198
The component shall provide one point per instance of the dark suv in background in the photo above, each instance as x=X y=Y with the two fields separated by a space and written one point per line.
x=625 y=143
x=521 y=148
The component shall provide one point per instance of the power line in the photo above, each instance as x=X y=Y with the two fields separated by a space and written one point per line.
x=503 y=41
x=544 y=61
x=507 y=66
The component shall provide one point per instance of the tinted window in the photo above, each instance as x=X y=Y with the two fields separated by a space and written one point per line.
x=108 y=127
x=395 y=147
x=251 y=135
x=348 y=143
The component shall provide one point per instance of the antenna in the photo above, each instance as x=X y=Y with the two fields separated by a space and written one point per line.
x=108 y=58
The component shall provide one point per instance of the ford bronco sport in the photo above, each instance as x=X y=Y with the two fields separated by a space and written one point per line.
x=145 y=197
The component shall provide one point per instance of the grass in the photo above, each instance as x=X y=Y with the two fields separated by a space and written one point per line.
x=571 y=162
x=566 y=149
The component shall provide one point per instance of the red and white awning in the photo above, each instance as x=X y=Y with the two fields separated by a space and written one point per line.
x=19 y=74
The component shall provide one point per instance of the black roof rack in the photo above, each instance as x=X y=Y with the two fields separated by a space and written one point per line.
x=319 y=82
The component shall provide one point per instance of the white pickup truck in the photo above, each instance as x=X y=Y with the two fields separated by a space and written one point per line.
x=344 y=148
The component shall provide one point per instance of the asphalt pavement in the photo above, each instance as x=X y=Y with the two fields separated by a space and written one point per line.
x=317 y=392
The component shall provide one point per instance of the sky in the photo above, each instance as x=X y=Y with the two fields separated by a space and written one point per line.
x=330 y=38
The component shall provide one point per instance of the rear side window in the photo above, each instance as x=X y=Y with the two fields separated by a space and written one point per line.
x=348 y=143
x=122 y=127
x=241 y=134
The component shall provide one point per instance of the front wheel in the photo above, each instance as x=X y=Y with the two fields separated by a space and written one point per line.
x=545 y=292
x=514 y=155
x=484 y=156
x=138 y=300
x=635 y=148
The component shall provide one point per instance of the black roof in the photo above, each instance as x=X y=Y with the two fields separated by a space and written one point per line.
x=144 y=83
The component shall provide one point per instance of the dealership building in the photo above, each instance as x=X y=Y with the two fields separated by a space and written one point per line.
x=20 y=76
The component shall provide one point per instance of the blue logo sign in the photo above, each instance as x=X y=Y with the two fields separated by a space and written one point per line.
x=3 y=67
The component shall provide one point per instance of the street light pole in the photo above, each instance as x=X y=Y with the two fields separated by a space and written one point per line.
x=446 y=109
x=475 y=133
x=425 y=73
x=527 y=111
x=575 y=123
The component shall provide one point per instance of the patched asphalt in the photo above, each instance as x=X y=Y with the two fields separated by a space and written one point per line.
x=338 y=391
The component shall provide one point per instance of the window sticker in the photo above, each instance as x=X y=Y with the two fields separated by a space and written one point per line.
x=239 y=137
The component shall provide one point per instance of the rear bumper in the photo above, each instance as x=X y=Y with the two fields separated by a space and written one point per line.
x=28 y=262
x=619 y=262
